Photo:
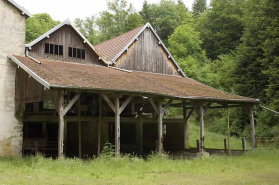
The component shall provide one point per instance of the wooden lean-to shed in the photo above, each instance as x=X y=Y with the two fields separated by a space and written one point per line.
x=74 y=97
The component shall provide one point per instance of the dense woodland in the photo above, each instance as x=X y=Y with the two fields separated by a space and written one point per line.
x=232 y=45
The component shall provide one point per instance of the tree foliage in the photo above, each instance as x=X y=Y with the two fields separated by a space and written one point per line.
x=38 y=25
x=198 y=7
x=165 y=16
x=221 y=27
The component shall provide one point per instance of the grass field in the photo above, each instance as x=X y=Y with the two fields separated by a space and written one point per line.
x=214 y=140
x=255 y=167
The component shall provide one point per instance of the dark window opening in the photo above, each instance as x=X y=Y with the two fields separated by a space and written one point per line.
x=78 y=53
x=61 y=50
x=74 y=52
x=70 y=52
x=51 y=48
x=46 y=47
x=56 y=49
x=83 y=54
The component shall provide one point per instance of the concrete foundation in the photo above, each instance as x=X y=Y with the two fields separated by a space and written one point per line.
x=12 y=37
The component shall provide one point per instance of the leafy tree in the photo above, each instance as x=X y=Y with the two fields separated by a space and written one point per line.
x=118 y=19
x=88 y=28
x=38 y=25
x=184 y=44
x=165 y=16
x=198 y=7
x=221 y=27
x=270 y=47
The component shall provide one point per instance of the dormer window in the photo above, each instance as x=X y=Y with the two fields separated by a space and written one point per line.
x=53 y=49
x=76 y=53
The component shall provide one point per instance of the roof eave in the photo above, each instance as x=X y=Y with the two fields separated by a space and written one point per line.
x=253 y=101
x=29 y=71
x=23 y=10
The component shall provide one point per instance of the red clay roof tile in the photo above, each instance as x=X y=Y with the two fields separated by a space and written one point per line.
x=110 y=48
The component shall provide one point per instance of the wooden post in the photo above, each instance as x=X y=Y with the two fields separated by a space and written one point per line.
x=225 y=145
x=201 y=127
x=61 y=124
x=198 y=145
x=117 y=110
x=186 y=127
x=160 y=126
x=140 y=133
x=99 y=126
x=243 y=144
x=117 y=127
x=252 y=123
x=79 y=130
x=229 y=143
x=65 y=136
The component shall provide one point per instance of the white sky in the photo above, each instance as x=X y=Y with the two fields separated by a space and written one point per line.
x=63 y=9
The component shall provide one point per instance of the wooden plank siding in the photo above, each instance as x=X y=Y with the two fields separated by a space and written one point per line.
x=146 y=54
x=67 y=37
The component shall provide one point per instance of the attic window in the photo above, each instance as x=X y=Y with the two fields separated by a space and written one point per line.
x=76 y=53
x=53 y=49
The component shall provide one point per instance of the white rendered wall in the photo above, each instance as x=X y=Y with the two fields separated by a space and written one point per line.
x=12 y=39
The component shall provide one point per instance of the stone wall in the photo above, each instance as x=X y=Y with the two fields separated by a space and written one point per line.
x=12 y=39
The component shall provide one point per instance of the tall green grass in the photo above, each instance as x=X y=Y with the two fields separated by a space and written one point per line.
x=255 y=167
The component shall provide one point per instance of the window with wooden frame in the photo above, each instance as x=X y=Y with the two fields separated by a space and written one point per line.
x=53 y=49
x=76 y=53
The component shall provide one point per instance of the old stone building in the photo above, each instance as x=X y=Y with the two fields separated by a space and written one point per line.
x=12 y=37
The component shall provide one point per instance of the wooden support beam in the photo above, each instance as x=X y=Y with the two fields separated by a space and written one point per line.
x=190 y=113
x=229 y=142
x=61 y=124
x=109 y=102
x=186 y=126
x=70 y=104
x=195 y=105
x=140 y=133
x=153 y=105
x=206 y=108
x=65 y=136
x=117 y=127
x=249 y=110
x=99 y=126
x=125 y=104
x=201 y=127
x=167 y=105
x=160 y=126
x=79 y=130
x=252 y=123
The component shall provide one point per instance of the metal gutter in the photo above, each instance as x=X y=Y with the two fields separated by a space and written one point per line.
x=32 y=57
x=30 y=72
x=125 y=70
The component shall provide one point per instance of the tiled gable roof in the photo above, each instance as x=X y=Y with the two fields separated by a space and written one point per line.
x=110 y=48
